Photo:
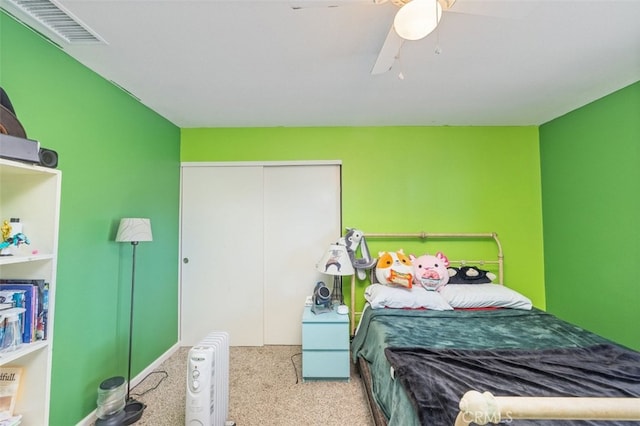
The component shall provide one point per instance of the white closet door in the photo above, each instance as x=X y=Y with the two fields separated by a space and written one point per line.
x=301 y=219
x=222 y=239
x=252 y=236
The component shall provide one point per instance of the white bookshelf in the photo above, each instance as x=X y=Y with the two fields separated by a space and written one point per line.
x=32 y=194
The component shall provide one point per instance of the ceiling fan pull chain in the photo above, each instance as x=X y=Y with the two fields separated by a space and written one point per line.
x=438 y=49
x=398 y=58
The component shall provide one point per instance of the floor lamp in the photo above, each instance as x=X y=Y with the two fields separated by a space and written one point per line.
x=133 y=230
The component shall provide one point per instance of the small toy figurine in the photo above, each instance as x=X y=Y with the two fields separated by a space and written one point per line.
x=6 y=230
x=4 y=243
x=15 y=240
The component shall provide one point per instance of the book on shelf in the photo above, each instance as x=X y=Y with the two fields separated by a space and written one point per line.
x=9 y=385
x=34 y=320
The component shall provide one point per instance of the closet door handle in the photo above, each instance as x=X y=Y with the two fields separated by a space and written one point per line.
x=185 y=260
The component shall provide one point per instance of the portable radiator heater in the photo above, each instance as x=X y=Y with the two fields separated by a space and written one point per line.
x=207 y=401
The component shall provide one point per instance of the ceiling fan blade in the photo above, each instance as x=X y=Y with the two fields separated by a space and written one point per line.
x=389 y=53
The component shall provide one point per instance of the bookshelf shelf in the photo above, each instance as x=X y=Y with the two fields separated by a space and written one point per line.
x=32 y=193
x=9 y=260
x=6 y=358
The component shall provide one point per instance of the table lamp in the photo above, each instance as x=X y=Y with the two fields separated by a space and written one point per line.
x=336 y=262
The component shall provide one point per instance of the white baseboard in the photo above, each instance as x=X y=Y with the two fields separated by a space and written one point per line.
x=91 y=418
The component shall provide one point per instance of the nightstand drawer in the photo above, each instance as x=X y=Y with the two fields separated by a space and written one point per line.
x=325 y=336
x=325 y=365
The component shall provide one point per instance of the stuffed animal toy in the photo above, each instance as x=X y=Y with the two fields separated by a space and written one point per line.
x=430 y=271
x=352 y=239
x=394 y=268
x=470 y=275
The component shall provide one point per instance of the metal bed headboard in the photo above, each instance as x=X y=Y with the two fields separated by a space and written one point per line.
x=499 y=260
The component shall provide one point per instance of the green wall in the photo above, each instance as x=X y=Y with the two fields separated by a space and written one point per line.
x=118 y=159
x=413 y=179
x=591 y=208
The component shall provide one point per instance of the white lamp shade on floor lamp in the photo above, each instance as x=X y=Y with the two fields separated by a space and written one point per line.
x=134 y=229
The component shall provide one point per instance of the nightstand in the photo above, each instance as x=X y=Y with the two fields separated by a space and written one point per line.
x=325 y=346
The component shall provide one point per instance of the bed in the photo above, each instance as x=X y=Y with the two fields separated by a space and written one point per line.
x=485 y=364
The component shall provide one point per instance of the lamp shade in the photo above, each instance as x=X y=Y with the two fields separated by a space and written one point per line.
x=417 y=19
x=133 y=229
x=335 y=261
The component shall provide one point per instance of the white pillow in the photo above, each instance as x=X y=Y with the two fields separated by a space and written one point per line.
x=382 y=296
x=484 y=296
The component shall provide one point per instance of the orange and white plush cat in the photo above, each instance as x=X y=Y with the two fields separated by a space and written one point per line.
x=394 y=268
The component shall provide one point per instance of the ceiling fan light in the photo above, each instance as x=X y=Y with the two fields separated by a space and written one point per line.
x=418 y=18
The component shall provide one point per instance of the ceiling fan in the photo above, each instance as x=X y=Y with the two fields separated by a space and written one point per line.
x=415 y=20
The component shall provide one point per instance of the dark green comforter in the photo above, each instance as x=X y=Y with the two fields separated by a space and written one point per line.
x=459 y=329
x=436 y=379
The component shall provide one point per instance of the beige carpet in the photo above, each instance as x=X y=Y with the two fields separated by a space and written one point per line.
x=265 y=388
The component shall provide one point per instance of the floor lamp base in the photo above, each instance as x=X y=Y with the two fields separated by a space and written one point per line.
x=114 y=419
x=133 y=411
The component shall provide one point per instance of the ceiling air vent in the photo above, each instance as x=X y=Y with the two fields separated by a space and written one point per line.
x=49 y=15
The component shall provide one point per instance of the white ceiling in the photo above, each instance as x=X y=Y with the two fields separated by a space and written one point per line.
x=214 y=63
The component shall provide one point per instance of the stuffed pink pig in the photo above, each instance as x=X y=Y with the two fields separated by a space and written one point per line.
x=430 y=271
